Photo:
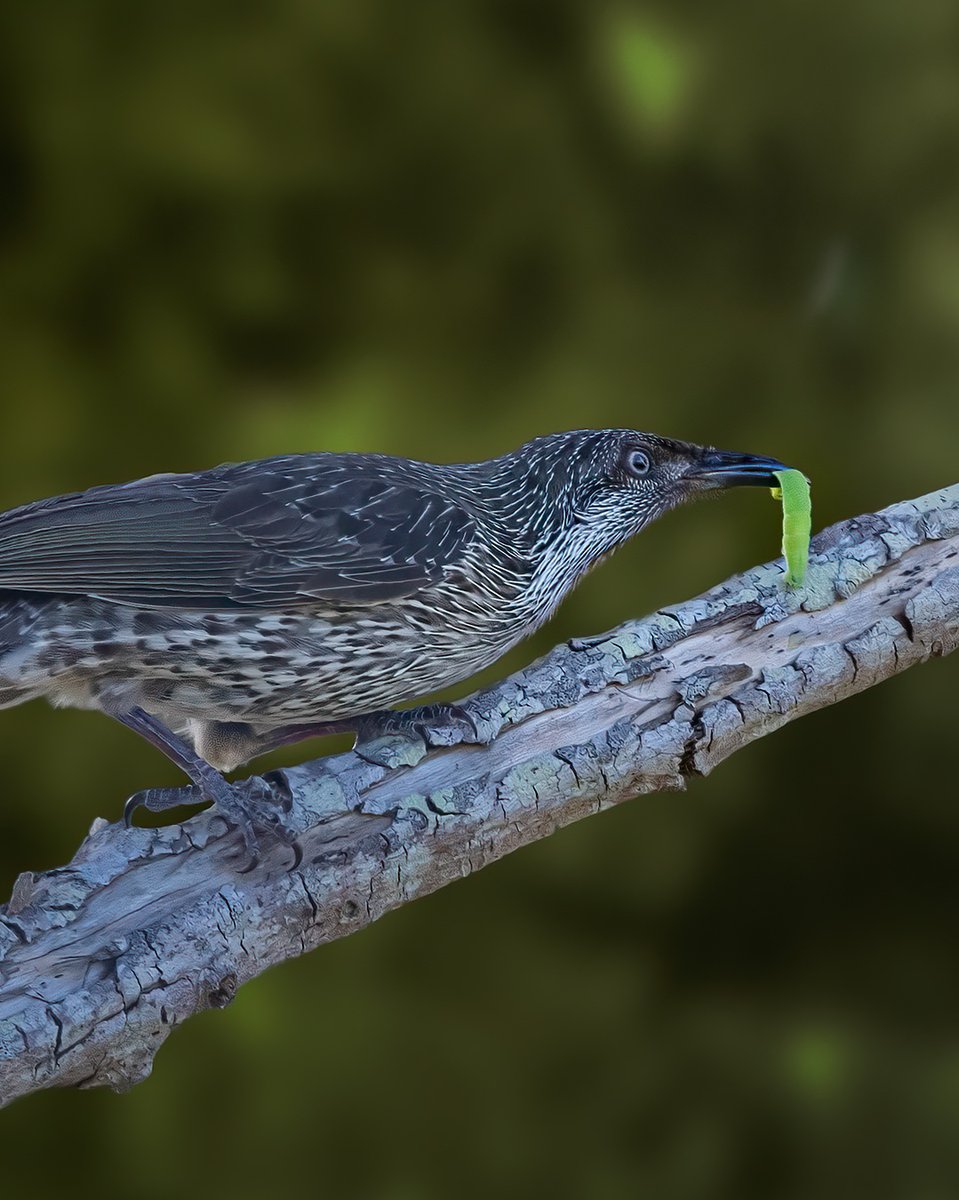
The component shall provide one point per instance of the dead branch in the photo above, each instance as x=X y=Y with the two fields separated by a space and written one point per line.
x=101 y=959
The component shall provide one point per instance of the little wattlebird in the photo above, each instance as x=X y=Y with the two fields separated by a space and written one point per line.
x=223 y=613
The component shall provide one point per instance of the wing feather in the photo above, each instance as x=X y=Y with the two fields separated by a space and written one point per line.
x=275 y=534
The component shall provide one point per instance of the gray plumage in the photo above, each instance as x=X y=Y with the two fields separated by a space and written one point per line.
x=239 y=605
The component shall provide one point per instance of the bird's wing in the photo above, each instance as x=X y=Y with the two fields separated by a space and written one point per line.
x=270 y=535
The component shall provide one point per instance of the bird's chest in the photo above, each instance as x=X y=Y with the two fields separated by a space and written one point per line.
x=554 y=575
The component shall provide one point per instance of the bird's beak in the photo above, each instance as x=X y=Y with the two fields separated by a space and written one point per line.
x=725 y=468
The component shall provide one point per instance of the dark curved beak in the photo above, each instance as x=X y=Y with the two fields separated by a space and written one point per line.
x=725 y=468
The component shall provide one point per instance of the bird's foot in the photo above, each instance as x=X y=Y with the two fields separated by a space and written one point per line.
x=260 y=803
x=436 y=724
x=251 y=805
x=161 y=800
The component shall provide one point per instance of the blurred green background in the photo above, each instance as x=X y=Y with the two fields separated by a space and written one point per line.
x=438 y=229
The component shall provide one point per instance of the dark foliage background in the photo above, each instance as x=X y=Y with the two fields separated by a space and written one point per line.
x=437 y=229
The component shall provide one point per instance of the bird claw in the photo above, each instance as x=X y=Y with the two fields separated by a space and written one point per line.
x=247 y=806
x=161 y=800
x=436 y=724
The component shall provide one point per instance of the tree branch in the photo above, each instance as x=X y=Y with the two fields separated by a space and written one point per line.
x=101 y=959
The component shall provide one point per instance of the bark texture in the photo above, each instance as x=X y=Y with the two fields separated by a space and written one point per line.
x=102 y=958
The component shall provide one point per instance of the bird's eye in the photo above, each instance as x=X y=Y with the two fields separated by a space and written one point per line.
x=638 y=463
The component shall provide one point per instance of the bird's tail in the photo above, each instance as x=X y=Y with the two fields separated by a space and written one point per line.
x=11 y=697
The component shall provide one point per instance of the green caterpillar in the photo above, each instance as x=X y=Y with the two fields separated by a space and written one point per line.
x=793 y=490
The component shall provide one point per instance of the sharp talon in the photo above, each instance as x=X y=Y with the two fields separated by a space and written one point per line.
x=297 y=855
x=251 y=846
x=465 y=716
x=158 y=800
x=130 y=808
x=250 y=866
x=280 y=786
x=286 y=836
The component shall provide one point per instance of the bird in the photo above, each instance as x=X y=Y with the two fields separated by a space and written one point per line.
x=224 y=612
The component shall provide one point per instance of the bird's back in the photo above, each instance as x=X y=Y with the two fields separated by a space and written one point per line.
x=274 y=534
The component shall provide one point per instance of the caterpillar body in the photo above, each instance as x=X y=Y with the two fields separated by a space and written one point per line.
x=793 y=490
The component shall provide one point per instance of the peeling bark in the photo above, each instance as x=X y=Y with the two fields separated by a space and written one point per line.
x=102 y=958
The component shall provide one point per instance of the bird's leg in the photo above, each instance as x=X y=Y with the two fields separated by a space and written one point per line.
x=287 y=735
x=245 y=804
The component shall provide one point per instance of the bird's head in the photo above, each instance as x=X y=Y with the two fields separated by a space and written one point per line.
x=614 y=482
